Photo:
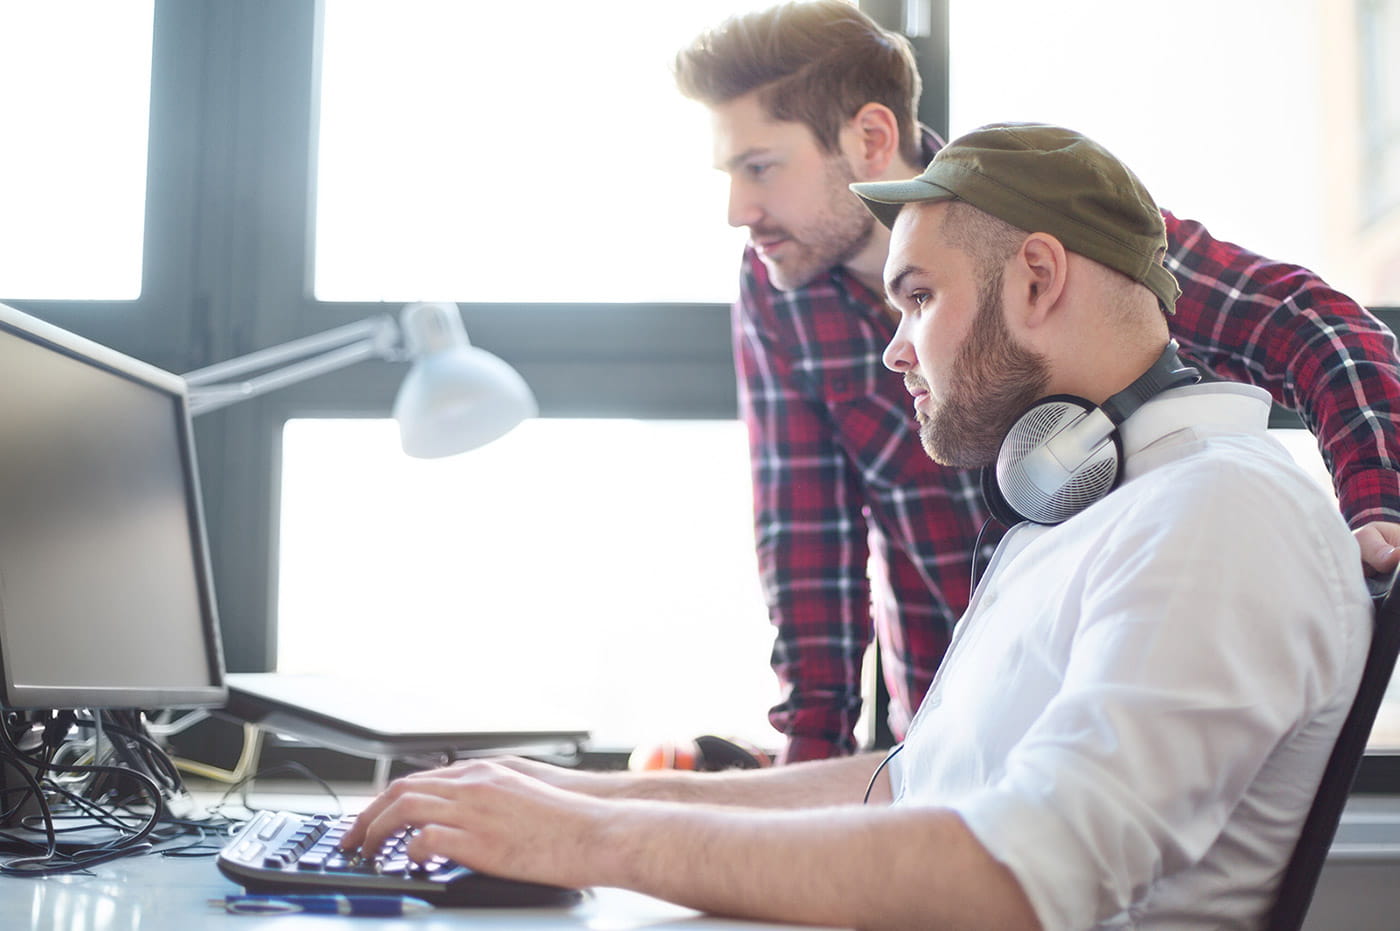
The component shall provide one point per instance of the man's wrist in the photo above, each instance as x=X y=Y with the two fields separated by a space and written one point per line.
x=1370 y=495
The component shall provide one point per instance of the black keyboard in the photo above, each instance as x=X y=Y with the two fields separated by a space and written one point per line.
x=282 y=853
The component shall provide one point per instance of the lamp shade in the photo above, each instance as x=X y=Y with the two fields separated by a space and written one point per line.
x=455 y=397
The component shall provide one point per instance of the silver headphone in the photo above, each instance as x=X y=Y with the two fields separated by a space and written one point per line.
x=1064 y=453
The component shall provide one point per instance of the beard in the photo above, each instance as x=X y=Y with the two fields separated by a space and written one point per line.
x=992 y=382
x=836 y=233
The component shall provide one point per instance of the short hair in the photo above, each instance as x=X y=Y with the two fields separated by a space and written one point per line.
x=990 y=242
x=815 y=63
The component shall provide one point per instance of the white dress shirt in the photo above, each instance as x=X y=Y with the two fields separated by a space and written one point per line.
x=1138 y=704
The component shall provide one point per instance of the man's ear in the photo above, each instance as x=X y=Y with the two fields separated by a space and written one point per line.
x=1040 y=269
x=871 y=140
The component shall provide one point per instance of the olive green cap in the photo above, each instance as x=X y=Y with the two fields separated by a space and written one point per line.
x=1045 y=179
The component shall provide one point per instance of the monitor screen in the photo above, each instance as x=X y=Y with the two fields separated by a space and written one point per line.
x=105 y=592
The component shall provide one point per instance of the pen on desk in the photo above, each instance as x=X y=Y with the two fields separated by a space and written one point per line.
x=369 y=905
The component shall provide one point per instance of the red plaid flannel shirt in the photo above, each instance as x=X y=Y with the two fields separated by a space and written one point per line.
x=860 y=533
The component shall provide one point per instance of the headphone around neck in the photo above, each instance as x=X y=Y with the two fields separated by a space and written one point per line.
x=1064 y=453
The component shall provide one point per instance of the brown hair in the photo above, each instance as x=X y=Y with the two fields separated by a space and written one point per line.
x=815 y=63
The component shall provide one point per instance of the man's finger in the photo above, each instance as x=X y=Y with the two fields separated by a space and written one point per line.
x=1378 y=545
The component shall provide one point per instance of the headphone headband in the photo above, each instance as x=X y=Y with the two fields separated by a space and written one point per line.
x=1166 y=373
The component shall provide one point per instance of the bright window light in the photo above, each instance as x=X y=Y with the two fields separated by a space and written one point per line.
x=594 y=573
x=1242 y=115
x=518 y=152
x=75 y=86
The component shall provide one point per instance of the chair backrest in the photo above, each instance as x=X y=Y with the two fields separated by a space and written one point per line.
x=1295 y=892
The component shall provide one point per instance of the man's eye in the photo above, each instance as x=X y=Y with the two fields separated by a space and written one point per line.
x=756 y=171
x=918 y=298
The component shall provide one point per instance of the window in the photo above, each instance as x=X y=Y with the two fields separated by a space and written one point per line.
x=475 y=152
x=470 y=152
x=77 y=81
x=592 y=573
x=1243 y=115
x=1379 y=33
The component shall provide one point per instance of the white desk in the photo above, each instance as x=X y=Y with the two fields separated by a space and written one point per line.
x=151 y=893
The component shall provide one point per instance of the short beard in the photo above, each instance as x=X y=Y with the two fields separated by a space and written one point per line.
x=837 y=236
x=993 y=382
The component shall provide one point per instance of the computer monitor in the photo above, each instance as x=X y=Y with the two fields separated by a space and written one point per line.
x=106 y=599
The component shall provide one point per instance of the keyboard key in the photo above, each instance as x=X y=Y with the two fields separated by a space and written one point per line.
x=272 y=826
x=341 y=865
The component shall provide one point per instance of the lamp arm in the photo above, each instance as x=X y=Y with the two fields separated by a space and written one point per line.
x=211 y=388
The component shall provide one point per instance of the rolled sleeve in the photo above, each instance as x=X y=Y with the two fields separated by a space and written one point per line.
x=1018 y=830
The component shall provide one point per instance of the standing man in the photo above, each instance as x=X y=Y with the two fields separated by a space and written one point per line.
x=857 y=531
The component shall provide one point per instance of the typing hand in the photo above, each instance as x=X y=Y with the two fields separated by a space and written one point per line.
x=489 y=817
x=1379 y=541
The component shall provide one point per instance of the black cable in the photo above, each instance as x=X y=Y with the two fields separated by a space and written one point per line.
x=15 y=758
x=156 y=760
x=208 y=838
x=157 y=755
x=977 y=553
x=129 y=841
x=102 y=800
x=876 y=775
x=48 y=858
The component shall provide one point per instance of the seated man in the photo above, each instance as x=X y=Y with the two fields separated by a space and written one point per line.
x=1141 y=699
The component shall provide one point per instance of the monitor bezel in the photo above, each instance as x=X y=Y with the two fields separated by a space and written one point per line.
x=101 y=697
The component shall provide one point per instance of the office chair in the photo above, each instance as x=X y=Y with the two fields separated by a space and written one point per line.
x=1295 y=891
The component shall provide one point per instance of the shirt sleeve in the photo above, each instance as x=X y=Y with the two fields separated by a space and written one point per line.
x=1280 y=327
x=811 y=542
x=1175 y=698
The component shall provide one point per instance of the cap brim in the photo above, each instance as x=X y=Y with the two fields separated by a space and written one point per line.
x=885 y=198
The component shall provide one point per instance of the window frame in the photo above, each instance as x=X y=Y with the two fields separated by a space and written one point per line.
x=227 y=270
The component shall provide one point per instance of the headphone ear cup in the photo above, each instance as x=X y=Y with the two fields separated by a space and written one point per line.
x=1029 y=476
x=1057 y=458
x=996 y=502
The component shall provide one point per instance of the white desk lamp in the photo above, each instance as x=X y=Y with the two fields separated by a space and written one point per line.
x=455 y=397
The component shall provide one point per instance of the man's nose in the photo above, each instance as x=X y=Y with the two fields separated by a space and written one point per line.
x=899 y=354
x=744 y=208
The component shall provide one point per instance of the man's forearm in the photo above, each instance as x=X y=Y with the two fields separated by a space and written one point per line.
x=822 y=782
x=847 y=867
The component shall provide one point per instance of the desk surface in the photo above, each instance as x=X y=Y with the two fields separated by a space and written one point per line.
x=152 y=893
